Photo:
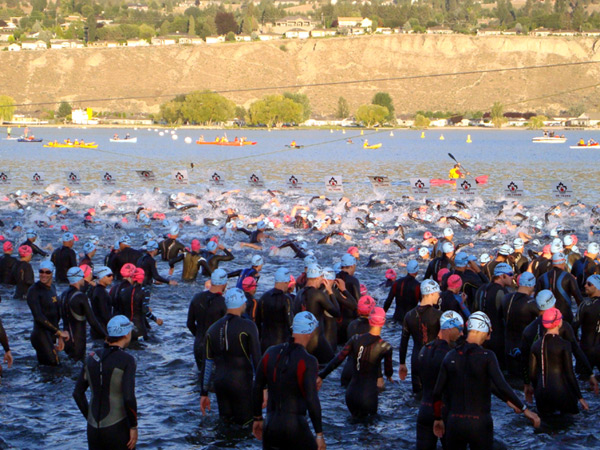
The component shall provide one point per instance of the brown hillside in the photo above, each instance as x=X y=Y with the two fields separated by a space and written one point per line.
x=56 y=75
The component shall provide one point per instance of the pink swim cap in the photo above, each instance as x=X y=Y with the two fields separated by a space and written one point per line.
x=248 y=284
x=390 y=274
x=547 y=249
x=363 y=289
x=365 y=305
x=377 y=317
x=441 y=274
x=454 y=282
x=64 y=228
x=427 y=235
x=195 y=245
x=287 y=218
x=292 y=282
x=7 y=247
x=138 y=275
x=87 y=270
x=352 y=250
x=128 y=270
x=25 y=250
x=551 y=318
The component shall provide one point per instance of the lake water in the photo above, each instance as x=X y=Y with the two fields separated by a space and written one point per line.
x=36 y=408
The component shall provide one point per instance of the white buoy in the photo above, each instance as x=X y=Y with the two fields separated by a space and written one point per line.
x=172 y=131
x=149 y=129
x=331 y=130
x=156 y=129
x=161 y=134
x=188 y=140
x=469 y=139
x=135 y=128
x=174 y=137
x=343 y=131
x=391 y=134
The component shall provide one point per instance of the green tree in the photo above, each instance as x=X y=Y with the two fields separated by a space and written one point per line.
x=537 y=122
x=497 y=114
x=384 y=99
x=275 y=110
x=7 y=108
x=230 y=37
x=64 y=109
x=225 y=22
x=303 y=100
x=147 y=32
x=170 y=112
x=240 y=113
x=92 y=27
x=421 y=121
x=343 y=110
x=371 y=115
x=205 y=107
x=192 y=26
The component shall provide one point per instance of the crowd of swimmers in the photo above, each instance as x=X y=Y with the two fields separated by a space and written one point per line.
x=472 y=320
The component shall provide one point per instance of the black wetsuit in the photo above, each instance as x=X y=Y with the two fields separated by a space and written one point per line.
x=43 y=302
x=274 y=318
x=134 y=303
x=63 y=259
x=466 y=378
x=205 y=309
x=299 y=253
x=7 y=262
x=471 y=281
x=290 y=374
x=423 y=325
x=34 y=248
x=535 y=331
x=148 y=263
x=454 y=302
x=588 y=319
x=584 y=268
x=406 y=292
x=23 y=277
x=552 y=376
x=87 y=261
x=114 y=295
x=489 y=300
x=332 y=326
x=102 y=308
x=126 y=256
x=437 y=264
x=112 y=411
x=317 y=302
x=357 y=326
x=518 y=311
x=232 y=346
x=366 y=352
x=192 y=262
x=564 y=287
x=348 y=314
x=520 y=263
x=170 y=248
x=428 y=363
x=540 y=266
x=75 y=310
x=3 y=341
x=213 y=260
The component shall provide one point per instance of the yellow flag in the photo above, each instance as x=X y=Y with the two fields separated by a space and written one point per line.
x=89 y=113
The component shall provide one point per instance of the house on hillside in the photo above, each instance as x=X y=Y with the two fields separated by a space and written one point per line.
x=564 y=33
x=592 y=33
x=269 y=36
x=439 y=30
x=355 y=22
x=585 y=120
x=215 y=39
x=243 y=38
x=320 y=32
x=34 y=45
x=14 y=48
x=164 y=40
x=383 y=30
x=65 y=43
x=137 y=43
x=542 y=32
x=5 y=36
x=7 y=26
x=297 y=33
x=489 y=32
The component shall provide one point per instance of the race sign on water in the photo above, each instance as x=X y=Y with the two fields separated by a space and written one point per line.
x=73 y=177
x=107 y=178
x=420 y=186
x=216 y=179
x=466 y=187
x=37 y=179
x=146 y=175
x=513 y=188
x=334 y=183
x=255 y=180
x=379 y=181
x=562 y=189
x=5 y=178
x=293 y=182
x=180 y=177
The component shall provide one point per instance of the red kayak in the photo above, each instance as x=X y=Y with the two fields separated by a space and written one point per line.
x=227 y=144
x=483 y=179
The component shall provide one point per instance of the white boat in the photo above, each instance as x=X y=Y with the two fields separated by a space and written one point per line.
x=131 y=140
x=549 y=140
x=12 y=138
x=585 y=146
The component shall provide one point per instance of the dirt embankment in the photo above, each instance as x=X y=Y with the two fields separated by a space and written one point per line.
x=154 y=75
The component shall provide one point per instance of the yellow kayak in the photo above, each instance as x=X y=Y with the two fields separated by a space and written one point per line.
x=65 y=145
x=372 y=146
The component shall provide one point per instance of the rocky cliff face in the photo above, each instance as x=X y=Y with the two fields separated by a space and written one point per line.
x=239 y=70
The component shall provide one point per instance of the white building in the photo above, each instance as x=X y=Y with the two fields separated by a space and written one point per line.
x=81 y=117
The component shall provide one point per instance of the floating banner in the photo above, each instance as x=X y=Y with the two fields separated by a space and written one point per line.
x=466 y=187
x=5 y=178
x=107 y=178
x=562 y=189
x=255 y=180
x=37 y=179
x=420 y=186
x=146 y=175
x=294 y=182
x=334 y=183
x=180 y=177
x=513 y=188
x=73 y=178
x=379 y=181
x=216 y=179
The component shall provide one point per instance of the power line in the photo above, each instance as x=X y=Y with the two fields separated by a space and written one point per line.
x=328 y=83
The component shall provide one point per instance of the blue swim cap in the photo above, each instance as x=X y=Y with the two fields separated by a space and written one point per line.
x=102 y=272
x=125 y=240
x=119 y=326
x=31 y=233
x=282 y=275
x=451 y=319
x=412 y=266
x=261 y=225
x=257 y=260
x=152 y=245
x=461 y=259
x=218 y=277
x=74 y=275
x=67 y=237
x=558 y=259
x=88 y=247
x=502 y=269
x=328 y=273
x=595 y=280
x=337 y=267
x=47 y=265
x=527 y=279
x=429 y=287
x=174 y=231
x=314 y=271
x=348 y=260
x=211 y=246
x=234 y=298
x=304 y=323
x=310 y=259
x=479 y=321
x=545 y=300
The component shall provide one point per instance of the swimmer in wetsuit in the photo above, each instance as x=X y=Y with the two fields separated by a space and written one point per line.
x=586 y=266
x=405 y=291
x=148 y=263
x=100 y=300
x=205 y=309
x=192 y=262
x=8 y=359
x=274 y=312
x=7 y=262
x=359 y=326
x=212 y=259
x=352 y=285
x=170 y=247
x=587 y=319
x=43 y=303
x=75 y=311
x=366 y=352
x=464 y=387
x=31 y=236
x=64 y=258
x=110 y=373
x=233 y=348
x=551 y=370
x=429 y=362
x=422 y=323
x=22 y=273
x=254 y=271
x=289 y=374
x=125 y=255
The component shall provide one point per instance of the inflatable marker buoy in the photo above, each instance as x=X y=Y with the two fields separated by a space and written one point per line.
x=442 y=137
x=469 y=139
x=391 y=134
x=422 y=135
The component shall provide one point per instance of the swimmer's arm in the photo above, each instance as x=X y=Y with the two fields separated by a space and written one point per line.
x=502 y=390
x=339 y=359
x=38 y=315
x=28 y=277
x=79 y=393
x=404 y=340
x=176 y=259
x=583 y=362
x=207 y=369
x=235 y=273
x=4 y=338
x=567 y=370
x=438 y=390
x=37 y=250
x=311 y=396
x=254 y=346
x=191 y=321
x=90 y=316
x=390 y=297
x=129 y=394
x=345 y=298
x=330 y=304
x=260 y=382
